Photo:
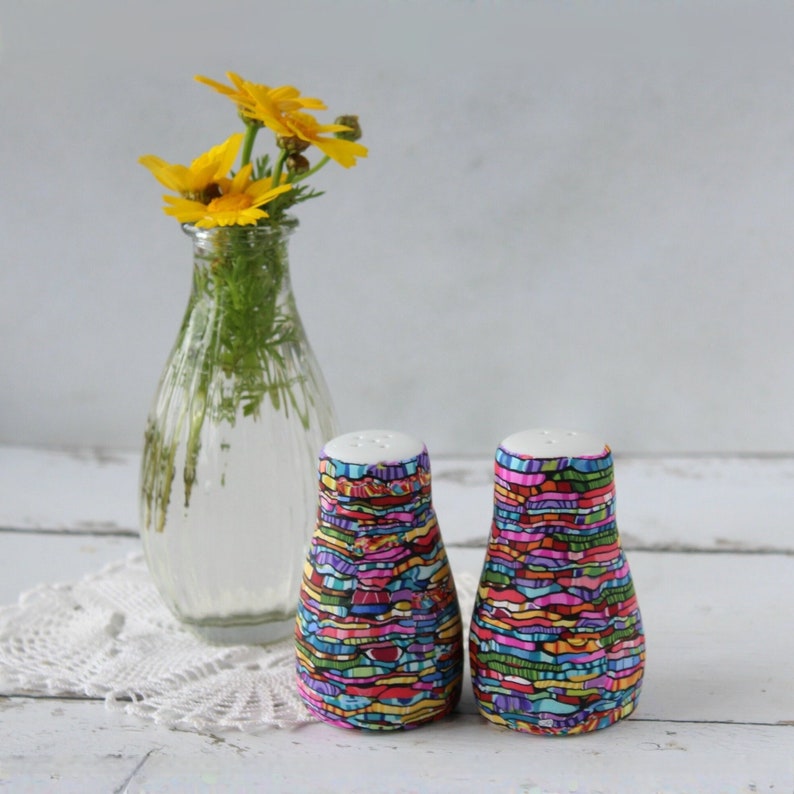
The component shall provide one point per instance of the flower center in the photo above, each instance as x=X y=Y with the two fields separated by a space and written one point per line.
x=234 y=202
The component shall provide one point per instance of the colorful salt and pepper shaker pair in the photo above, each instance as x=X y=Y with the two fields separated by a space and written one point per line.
x=556 y=642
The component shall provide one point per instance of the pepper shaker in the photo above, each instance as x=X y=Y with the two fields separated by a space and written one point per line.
x=378 y=631
x=556 y=643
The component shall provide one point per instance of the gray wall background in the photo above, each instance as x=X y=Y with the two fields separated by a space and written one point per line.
x=572 y=214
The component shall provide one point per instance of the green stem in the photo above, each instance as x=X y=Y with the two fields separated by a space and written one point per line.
x=278 y=167
x=248 y=143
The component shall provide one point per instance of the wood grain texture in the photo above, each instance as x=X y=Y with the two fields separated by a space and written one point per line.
x=82 y=747
x=714 y=577
x=665 y=504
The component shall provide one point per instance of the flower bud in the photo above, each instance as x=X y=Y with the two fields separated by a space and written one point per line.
x=354 y=133
x=292 y=143
x=297 y=164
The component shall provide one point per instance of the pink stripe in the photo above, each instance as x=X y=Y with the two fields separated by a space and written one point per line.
x=518 y=478
x=523 y=537
x=557 y=598
x=552 y=496
x=346 y=633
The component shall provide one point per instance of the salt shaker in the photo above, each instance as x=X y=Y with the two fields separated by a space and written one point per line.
x=378 y=631
x=556 y=643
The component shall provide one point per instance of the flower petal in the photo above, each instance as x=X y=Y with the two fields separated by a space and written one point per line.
x=240 y=180
x=184 y=210
x=220 y=158
x=262 y=193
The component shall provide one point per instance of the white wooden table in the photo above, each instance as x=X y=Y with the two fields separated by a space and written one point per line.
x=711 y=546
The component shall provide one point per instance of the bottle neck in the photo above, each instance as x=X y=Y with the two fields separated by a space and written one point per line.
x=225 y=241
x=242 y=266
x=360 y=496
x=540 y=495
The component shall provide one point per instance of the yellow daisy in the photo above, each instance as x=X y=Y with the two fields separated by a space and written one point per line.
x=280 y=109
x=207 y=169
x=284 y=99
x=306 y=127
x=238 y=205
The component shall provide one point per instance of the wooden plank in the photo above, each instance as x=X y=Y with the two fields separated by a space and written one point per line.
x=724 y=504
x=68 y=490
x=667 y=504
x=703 y=661
x=702 y=681
x=29 y=559
x=80 y=746
x=718 y=639
x=671 y=504
x=716 y=713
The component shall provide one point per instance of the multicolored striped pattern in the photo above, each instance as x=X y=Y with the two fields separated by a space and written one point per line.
x=378 y=633
x=556 y=643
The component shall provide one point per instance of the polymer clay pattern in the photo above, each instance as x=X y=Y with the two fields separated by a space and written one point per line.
x=378 y=632
x=556 y=643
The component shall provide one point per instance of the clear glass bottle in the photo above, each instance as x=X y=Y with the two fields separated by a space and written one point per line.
x=227 y=487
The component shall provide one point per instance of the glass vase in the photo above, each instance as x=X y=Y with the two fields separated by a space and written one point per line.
x=227 y=486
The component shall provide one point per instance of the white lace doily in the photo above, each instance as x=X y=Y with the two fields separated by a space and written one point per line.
x=110 y=636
